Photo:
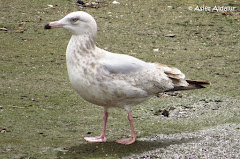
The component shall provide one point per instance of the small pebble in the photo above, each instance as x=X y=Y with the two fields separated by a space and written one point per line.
x=115 y=2
x=170 y=35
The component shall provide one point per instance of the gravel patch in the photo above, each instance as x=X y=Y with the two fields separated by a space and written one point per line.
x=217 y=142
x=195 y=107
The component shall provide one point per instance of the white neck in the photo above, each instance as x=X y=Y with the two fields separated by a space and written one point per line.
x=83 y=44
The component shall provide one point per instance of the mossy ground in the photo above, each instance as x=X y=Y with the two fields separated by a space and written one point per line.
x=44 y=117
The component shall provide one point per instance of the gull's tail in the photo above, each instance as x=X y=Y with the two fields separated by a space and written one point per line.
x=193 y=84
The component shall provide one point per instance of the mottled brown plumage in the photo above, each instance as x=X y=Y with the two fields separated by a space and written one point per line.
x=113 y=80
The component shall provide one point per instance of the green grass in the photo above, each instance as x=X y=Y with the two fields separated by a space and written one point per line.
x=43 y=115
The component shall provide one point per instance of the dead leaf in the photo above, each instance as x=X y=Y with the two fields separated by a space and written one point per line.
x=4 y=29
x=19 y=31
x=91 y=4
x=3 y=131
x=20 y=24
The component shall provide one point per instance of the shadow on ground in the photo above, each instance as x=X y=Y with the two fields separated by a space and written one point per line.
x=114 y=150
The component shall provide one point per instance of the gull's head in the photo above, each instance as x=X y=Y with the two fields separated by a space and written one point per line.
x=78 y=23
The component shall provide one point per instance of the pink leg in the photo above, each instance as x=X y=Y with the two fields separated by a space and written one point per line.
x=132 y=139
x=101 y=138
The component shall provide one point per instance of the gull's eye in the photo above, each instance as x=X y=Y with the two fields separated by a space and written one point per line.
x=74 y=19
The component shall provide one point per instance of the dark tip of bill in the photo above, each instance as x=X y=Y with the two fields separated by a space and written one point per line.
x=47 y=26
